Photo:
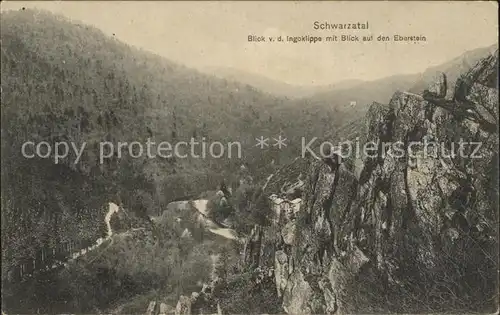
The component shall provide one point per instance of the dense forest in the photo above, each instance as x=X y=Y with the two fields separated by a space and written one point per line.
x=66 y=82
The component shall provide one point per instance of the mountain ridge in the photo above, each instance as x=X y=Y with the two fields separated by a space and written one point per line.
x=273 y=86
x=412 y=82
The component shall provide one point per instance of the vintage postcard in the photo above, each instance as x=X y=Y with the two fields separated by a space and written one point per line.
x=255 y=157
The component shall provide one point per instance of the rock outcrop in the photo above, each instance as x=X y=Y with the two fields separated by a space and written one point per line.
x=410 y=226
x=426 y=191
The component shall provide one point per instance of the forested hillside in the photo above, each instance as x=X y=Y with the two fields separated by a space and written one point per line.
x=66 y=82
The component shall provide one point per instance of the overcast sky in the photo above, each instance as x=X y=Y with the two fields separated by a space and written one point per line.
x=213 y=34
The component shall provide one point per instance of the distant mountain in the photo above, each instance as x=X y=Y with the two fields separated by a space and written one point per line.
x=453 y=68
x=353 y=96
x=354 y=99
x=275 y=87
x=353 y=102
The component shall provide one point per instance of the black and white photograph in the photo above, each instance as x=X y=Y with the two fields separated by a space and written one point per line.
x=249 y=157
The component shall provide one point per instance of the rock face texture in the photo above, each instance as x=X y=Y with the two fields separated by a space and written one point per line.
x=410 y=226
x=425 y=193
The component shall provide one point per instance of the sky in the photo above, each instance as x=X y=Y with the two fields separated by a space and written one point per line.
x=214 y=34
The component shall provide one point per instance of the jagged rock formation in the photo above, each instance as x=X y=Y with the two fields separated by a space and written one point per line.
x=410 y=226
x=416 y=202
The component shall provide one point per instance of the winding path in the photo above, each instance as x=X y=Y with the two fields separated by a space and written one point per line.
x=201 y=206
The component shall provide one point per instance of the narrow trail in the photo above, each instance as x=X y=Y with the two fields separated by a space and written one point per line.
x=201 y=206
x=112 y=209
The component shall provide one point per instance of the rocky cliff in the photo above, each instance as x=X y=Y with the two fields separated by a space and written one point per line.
x=415 y=228
x=408 y=224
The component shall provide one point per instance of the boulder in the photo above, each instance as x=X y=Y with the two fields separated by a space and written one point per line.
x=297 y=295
x=166 y=309
x=439 y=86
x=151 y=308
x=183 y=306
x=288 y=233
x=281 y=271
